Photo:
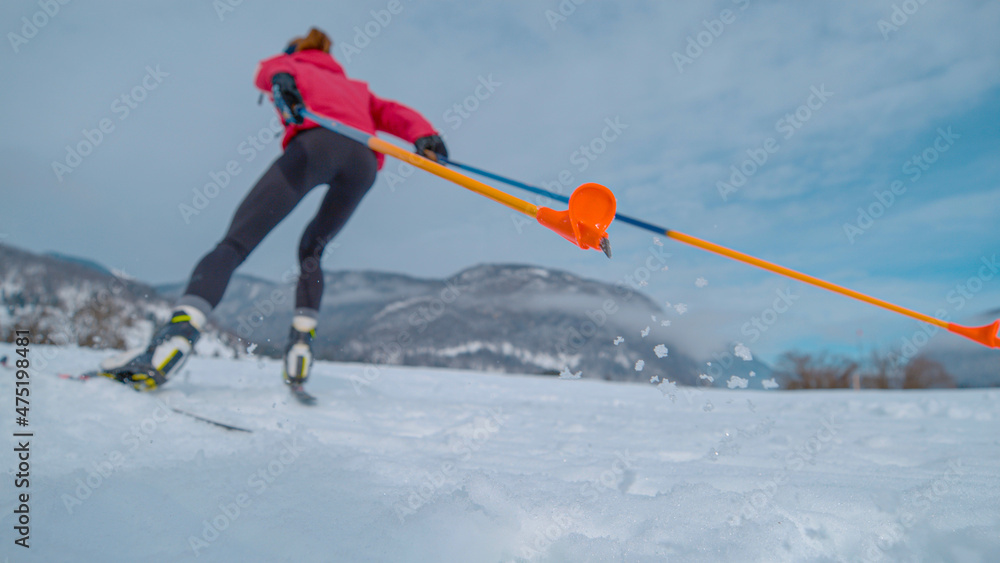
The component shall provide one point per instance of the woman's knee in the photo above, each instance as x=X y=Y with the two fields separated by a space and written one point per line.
x=311 y=254
x=233 y=249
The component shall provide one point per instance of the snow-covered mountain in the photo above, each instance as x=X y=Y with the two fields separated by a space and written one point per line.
x=509 y=318
x=72 y=301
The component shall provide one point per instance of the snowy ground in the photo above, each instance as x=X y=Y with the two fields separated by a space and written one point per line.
x=445 y=466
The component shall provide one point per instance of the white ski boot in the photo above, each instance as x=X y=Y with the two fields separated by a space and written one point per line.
x=298 y=353
x=166 y=353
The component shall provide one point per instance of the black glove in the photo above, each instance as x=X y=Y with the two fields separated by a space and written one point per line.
x=431 y=147
x=287 y=98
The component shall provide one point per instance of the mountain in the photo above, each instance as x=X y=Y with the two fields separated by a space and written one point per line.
x=509 y=318
x=491 y=317
x=85 y=262
x=73 y=301
x=500 y=318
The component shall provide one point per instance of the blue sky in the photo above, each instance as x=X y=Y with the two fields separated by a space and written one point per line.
x=556 y=83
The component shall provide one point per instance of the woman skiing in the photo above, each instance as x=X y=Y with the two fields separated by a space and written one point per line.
x=306 y=74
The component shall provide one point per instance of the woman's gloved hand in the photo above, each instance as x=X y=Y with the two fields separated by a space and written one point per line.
x=287 y=97
x=431 y=147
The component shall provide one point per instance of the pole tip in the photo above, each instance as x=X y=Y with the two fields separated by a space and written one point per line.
x=606 y=246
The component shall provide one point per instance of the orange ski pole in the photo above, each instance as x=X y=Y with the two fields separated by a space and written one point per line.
x=986 y=335
x=585 y=223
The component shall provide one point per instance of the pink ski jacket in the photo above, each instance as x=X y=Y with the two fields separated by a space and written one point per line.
x=328 y=91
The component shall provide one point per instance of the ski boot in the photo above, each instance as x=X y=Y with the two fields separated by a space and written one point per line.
x=298 y=357
x=298 y=353
x=146 y=370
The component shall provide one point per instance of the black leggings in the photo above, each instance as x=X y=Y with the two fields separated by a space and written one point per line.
x=313 y=157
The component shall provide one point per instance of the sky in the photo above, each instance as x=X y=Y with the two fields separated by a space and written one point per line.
x=866 y=132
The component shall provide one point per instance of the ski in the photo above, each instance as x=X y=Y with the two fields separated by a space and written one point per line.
x=210 y=421
x=86 y=376
x=303 y=396
x=82 y=377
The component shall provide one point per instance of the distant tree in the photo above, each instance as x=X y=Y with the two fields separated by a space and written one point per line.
x=924 y=373
x=804 y=371
x=100 y=323
x=882 y=371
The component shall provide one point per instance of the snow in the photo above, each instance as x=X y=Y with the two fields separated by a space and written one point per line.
x=668 y=388
x=550 y=361
x=408 y=464
x=736 y=382
x=661 y=351
x=399 y=305
x=742 y=352
x=566 y=373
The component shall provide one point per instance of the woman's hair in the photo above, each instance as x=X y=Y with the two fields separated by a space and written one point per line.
x=316 y=39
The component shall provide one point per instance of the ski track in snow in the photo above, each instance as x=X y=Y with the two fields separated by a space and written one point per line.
x=420 y=464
